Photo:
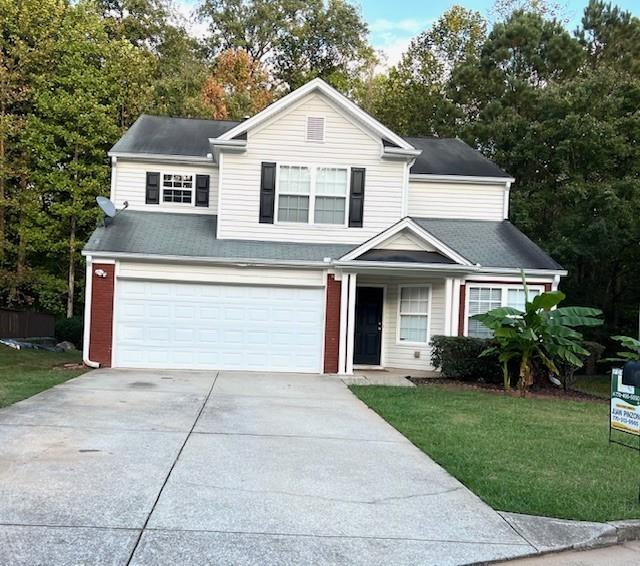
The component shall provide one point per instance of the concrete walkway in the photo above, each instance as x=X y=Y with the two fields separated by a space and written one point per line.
x=132 y=467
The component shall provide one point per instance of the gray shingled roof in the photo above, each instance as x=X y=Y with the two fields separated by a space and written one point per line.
x=162 y=135
x=451 y=156
x=194 y=235
x=490 y=244
x=171 y=136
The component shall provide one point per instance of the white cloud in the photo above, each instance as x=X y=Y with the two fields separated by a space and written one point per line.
x=186 y=12
x=408 y=25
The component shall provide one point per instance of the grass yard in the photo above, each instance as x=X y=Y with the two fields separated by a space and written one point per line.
x=598 y=385
x=24 y=373
x=537 y=456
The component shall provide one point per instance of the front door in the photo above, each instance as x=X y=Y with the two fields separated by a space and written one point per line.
x=368 y=331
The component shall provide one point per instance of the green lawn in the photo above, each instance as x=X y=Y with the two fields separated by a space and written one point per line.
x=598 y=385
x=24 y=373
x=536 y=456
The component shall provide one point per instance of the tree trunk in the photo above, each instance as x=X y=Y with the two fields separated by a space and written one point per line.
x=71 y=280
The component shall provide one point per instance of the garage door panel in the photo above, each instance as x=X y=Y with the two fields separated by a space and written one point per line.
x=175 y=325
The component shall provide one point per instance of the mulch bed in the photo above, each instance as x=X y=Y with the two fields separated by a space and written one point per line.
x=536 y=393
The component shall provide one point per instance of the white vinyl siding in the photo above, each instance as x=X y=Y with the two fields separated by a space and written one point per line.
x=282 y=140
x=394 y=353
x=131 y=185
x=437 y=199
x=483 y=298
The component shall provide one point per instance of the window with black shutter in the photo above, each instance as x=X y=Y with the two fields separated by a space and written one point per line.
x=153 y=188
x=202 y=190
x=267 y=192
x=356 y=198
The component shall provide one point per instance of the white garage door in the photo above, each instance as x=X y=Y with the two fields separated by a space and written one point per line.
x=200 y=326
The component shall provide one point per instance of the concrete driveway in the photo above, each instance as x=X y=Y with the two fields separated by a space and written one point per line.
x=175 y=467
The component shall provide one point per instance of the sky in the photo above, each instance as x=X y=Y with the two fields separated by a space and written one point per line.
x=393 y=24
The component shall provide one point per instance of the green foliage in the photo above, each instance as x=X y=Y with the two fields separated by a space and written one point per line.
x=540 y=334
x=632 y=351
x=458 y=357
x=70 y=329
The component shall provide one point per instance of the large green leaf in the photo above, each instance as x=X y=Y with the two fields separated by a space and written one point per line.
x=547 y=301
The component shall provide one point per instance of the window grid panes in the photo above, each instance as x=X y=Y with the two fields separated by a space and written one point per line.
x=414 y=314
x=483 y=299
x=177 y=188
x=331 y=191
x=294 y=187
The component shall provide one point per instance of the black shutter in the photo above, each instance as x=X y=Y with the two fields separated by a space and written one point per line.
x=267 y=192
x=356 y=198
x=202 y=190
x=153 y=188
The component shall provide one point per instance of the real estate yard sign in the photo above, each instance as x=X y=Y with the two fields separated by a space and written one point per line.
x=625 y=405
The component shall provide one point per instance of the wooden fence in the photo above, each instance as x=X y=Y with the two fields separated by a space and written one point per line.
x=26 y=324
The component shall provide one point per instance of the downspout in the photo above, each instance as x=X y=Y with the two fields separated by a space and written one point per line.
x=87 y=316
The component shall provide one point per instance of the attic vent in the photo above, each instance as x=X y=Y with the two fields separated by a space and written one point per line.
x=315 y=128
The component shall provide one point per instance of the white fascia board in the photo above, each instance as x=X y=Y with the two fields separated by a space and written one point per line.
x=400 y=153
x=409 y=224
x=527 y=271
x=231 y=145
x=162 y=157
x=331 y=93
x=253 y=262
x=359 y=266
x=424 y=178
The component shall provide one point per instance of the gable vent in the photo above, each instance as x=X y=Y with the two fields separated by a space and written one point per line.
x=315 y=128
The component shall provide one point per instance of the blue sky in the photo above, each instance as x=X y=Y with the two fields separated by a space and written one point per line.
x=394 y=23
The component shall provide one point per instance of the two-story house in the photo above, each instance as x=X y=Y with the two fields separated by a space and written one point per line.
x=308 y=238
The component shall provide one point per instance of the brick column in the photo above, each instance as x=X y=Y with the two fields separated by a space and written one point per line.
x=461 y=313
x=332 y=325
x=101 y=329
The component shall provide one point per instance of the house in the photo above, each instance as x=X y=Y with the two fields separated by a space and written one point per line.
x=308 y=238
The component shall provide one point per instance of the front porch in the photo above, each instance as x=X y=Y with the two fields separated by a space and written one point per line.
x=387 y=321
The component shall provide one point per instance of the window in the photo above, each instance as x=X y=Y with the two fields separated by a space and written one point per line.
x=414 y=315
x=331 y=196
x=294 y=188
x=312 y=195
x=315 y=128
x=177 y=188
x=483 y=299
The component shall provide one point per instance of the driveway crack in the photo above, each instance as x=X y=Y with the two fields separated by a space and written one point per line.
x=173 y=465
x=374 y=501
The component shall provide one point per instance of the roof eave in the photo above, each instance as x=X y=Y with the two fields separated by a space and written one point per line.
x=162 y=157
x=424 y=177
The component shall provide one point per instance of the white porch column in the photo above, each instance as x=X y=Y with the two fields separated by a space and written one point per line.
x=344 y=309
x=347 y=323
x=351 y=323
x=448 y=305
x=455 y=306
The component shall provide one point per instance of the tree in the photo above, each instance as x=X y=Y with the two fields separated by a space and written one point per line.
x=540 y=334
x=502 y=9
x=412 y=98
x=238 y=87
x=296 y=39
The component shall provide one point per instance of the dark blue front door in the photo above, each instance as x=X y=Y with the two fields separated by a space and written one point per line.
x=368 y=331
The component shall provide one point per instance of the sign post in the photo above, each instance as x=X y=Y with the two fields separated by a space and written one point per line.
x=624 y=414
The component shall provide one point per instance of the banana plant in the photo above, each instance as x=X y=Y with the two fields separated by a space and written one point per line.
x=632 y=352
x=543 y=332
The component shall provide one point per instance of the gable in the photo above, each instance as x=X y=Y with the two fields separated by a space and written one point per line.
x=405 y=240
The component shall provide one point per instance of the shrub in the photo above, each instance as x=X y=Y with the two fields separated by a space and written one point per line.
x=70 y=329
x=458 y=357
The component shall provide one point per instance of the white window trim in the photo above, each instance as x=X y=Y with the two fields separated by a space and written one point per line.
x=193 y=189
x=399 y=342
x=312 y=194
x=504 y=289
x=306 y=128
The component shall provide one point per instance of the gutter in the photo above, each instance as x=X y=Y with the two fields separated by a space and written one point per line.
x=423 y=177
x=162 y=157
x=326 y=263
x=87 y=317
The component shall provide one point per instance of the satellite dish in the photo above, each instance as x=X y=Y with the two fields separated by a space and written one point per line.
x=107 y=206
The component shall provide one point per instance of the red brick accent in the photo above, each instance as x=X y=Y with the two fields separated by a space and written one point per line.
x=461 y=313
x=547 y=287
x=332 y=325
x=101 y=330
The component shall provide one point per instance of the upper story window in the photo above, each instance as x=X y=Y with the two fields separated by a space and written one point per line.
x=485 y=298
x=177 y=188
x=315 y=128
x=312 y=195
